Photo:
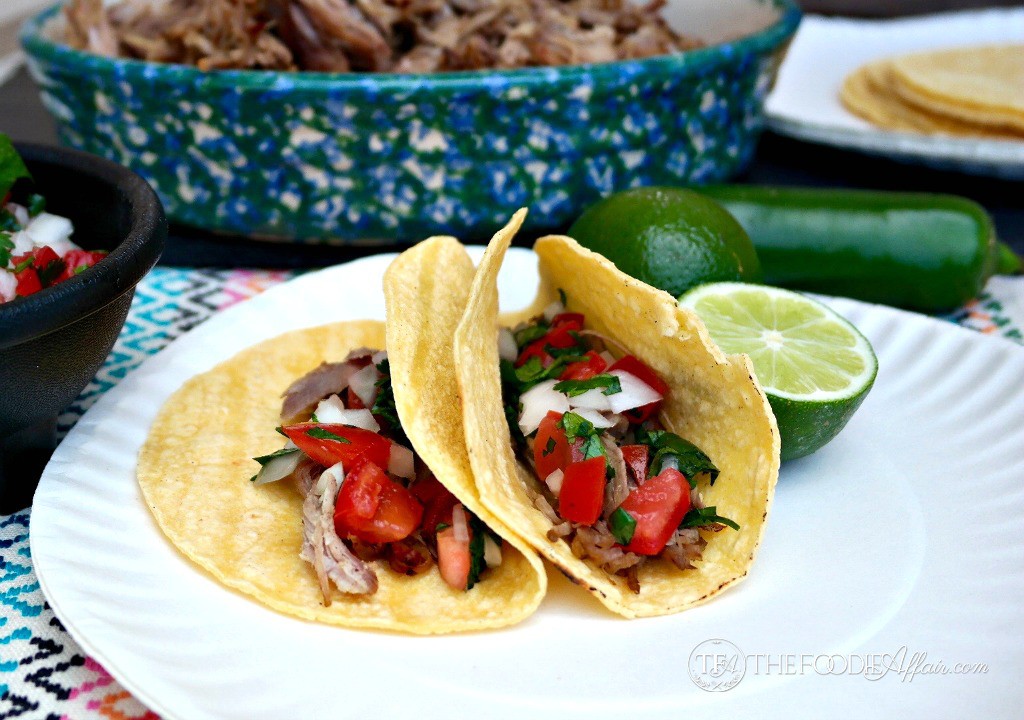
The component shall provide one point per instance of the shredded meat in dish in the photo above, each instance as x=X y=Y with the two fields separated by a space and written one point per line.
x=396 y=36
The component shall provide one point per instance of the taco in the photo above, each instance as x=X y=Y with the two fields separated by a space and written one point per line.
x=345 y=521
x=607 y=430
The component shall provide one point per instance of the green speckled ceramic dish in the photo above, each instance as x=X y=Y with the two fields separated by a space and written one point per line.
x=346 y=158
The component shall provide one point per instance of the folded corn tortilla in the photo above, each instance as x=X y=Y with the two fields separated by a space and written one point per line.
x=715 y=402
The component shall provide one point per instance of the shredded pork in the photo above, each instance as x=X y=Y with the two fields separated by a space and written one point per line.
x=325 y=551
x=397 y=36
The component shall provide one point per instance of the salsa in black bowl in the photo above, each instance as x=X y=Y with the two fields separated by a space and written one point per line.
x=53 y=341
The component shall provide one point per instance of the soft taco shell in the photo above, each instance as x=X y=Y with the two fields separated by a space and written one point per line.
x=715 y=402
x=194 y=472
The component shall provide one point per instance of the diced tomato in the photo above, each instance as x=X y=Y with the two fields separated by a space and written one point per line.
x=637 y=457
x=585 y=369
x=453 y=559
x=576 y=319
x=374 y=508
x=633 y=366
x=582 y=494
x=355 y=443
x=551 y=448
x=437 y=503
x=560 y=335
x=535 y=349
x=658 y=506
x=28 y=282
x=74 y=259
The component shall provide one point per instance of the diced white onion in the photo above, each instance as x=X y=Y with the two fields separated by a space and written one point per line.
x=332 y=411
x=537 y=402
x=378 y=357
x=52 y=230
x=492 y=552
x=635 y=392
x=460 y=528
x=22 y=243
x=335 y=472
x=593 y=398
x=20 y=213
x=364 y=384
x=507 y=348
x=554 y=481
x=555 y=308
x=278 y=468
x=596 y=419
x=8 y=285
x=608 y=357
x=402 y=461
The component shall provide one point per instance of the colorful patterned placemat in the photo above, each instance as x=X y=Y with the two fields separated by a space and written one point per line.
x=44 y=674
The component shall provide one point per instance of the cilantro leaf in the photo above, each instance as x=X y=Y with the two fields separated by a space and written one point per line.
x=320 y=434
x=264 y=459
x=572 y=388
x=24 y=264
x=36 y=204
x=12 y=167
x=530 y=333
x=575 y=426
x=689 y=459
x=549 y=448
x=49 y=274
x=622 y=525
x=384 y=407
x=705 y=516
x=476 y=550
x=6 y=248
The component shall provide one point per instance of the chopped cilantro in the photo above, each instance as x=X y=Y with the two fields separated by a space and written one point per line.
x=81 y=269
x=572 y=388
x=562 y=298
x=575 y=426
x=622 y=525
x=49 y=274
x=313 y=418
x=476 y=550
x=705 y=516
x=36 y=204
x=26 y=263
x=6 y=248
x=549 y=448
x=530 y=333
x=280 y=430
x=441 y=526
x=690 y=459
x=320 y=434
x=384 y=407
x=12 y=168
x=8 y=223
x=264 y=459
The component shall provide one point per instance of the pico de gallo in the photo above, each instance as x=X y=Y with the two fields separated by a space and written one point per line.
x=366 y=495
x=36 y=250
x=617 y=487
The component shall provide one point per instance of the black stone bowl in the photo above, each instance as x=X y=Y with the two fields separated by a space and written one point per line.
x=53 y=342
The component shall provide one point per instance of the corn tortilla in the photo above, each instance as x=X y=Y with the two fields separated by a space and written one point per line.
x=194 y=472
x=715 y=402
x=979 y=85
x=869 y=92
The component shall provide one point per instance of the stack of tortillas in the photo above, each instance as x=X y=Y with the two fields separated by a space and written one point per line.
x=975 y=91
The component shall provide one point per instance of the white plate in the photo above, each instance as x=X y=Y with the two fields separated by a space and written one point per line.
x=805 y=101
x=908 y=530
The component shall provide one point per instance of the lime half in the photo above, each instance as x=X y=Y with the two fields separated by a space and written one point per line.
x=815 y=367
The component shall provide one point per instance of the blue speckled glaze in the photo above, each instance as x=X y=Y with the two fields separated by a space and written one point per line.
x=382 y=158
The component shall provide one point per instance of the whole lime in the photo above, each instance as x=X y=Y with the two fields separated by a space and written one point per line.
x=671 y=238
